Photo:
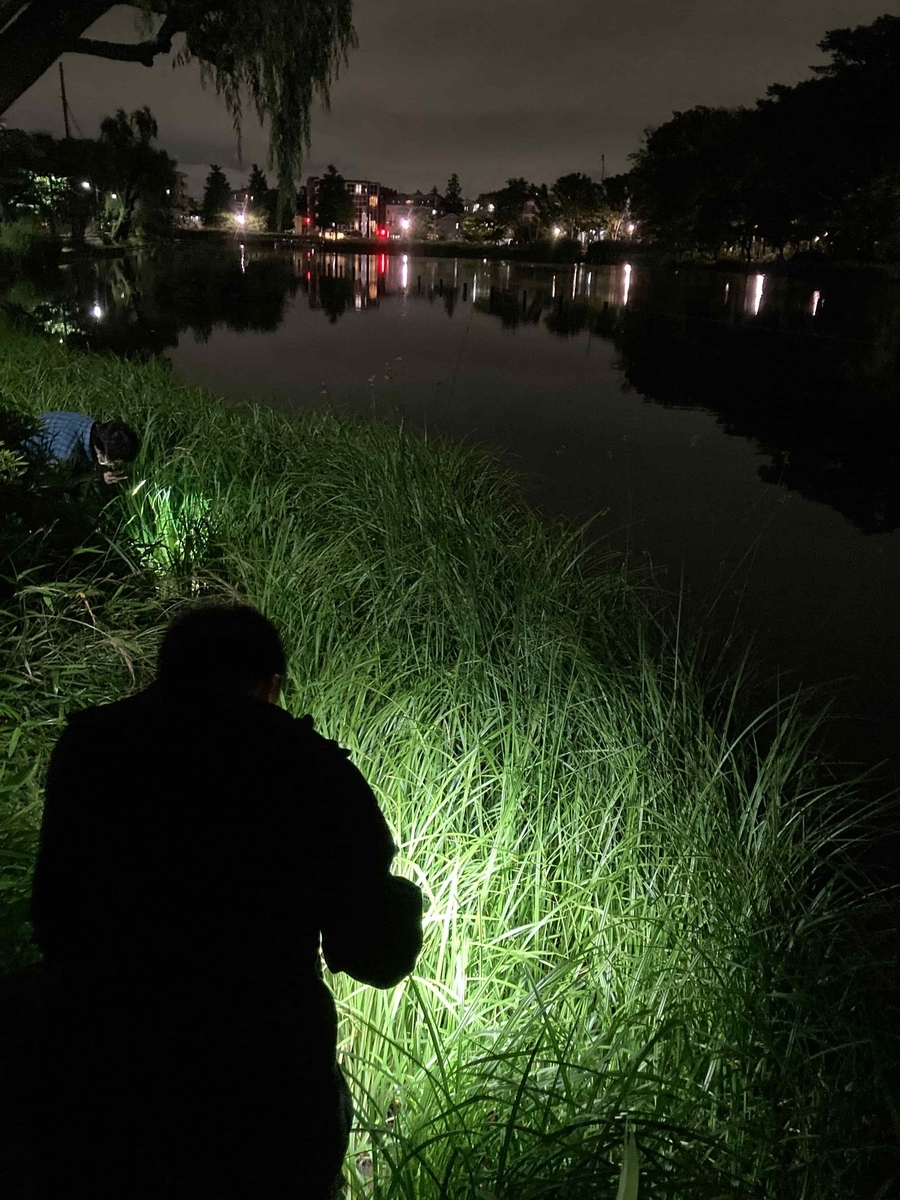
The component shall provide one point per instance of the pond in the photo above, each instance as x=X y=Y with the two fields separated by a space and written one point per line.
x=737 y=434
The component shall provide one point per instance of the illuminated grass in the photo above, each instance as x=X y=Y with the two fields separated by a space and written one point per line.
x=639 y=910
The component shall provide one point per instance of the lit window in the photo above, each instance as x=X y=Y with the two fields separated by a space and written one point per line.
x=358 y=189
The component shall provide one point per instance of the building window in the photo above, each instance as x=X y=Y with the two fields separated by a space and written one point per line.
x=373 y=202
x=358 y=189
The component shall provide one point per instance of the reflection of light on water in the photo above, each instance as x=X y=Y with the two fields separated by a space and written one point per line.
x=759 y=282
x=816 y=299
x=404 y=271
x=357 y=301
x=574 y=282
x=553 y=289
x=727 y=290
x=627 y=287
x=474 y=287
x=243 y=259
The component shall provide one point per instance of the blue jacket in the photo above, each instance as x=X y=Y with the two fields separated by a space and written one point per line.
x=64 y=438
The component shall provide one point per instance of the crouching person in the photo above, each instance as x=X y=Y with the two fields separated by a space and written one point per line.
x=199 y=848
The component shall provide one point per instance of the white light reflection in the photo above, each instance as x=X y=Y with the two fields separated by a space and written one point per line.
x=553 y=289
x=816 y=300
x=627 y=287
x=404 y=271
x=759 y=282
x=727 y=290
x=243 y=259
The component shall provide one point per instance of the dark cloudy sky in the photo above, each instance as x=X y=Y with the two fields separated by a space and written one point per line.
x=486 y=88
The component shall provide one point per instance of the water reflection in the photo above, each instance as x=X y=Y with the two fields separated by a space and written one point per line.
x=141 y=304
x=813 y=383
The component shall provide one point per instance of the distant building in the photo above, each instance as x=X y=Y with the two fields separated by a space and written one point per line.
x=449 y=226
x=366 y=196
x=400 y=216
x=185 y=210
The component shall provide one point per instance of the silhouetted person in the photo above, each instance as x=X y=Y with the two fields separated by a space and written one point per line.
x=84 y=448
x=198 y=846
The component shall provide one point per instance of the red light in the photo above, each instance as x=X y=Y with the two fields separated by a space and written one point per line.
x=307 y=275
x=382 y=264
x=307 y=220
x=382 y=233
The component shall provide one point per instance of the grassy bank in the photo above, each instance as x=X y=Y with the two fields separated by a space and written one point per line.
x=641 y=918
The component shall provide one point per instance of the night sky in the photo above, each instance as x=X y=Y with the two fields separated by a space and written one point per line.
x=486 y=88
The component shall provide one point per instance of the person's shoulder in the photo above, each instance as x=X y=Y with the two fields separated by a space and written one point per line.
x=113 y=713
x=65 y=416
x=302 y=731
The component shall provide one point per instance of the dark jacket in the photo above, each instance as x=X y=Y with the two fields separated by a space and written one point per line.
x=195 y=853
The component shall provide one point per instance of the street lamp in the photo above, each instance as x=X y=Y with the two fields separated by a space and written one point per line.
x=85 y=185
x=240 y=218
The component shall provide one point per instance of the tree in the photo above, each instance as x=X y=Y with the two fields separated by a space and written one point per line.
x=216 y=197
x=138 y=180
x=423 y=222
x=510 y=208
x=263 y=200
x=617 y=191
x=335 y=204
x=277 y=56
x=689 y=180
x=453 y=197
x=580 y=203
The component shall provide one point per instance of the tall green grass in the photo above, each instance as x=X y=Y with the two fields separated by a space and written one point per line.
x=642 y=956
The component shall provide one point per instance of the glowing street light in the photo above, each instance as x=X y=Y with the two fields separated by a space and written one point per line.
x=556 y=231
x=240 y=218
x=97 y=312
x=85 y=185
x=630 y=228
x=405 y=222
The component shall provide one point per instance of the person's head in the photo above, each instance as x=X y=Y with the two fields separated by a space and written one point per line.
x=114 y=441
x=225 y=648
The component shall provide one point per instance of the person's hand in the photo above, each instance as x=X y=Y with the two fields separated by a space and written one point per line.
x=114 y=476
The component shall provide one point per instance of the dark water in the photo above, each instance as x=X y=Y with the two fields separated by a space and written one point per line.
x=738 y=434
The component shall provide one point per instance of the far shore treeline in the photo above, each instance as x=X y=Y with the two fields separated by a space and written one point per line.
x=811 y=169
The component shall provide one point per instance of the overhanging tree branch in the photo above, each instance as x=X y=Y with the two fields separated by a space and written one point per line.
x=140 y=52
x=32 y=42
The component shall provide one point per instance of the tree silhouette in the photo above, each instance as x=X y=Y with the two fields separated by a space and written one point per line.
x=335 y=205
x=140 y=179
x=277 y=56
x=216 y=197
x=453 y=197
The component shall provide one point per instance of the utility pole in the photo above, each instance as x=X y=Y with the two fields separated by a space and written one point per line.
x=602 y=158
x=65 y=103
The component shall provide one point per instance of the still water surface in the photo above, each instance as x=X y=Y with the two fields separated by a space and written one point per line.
x=739 y=434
